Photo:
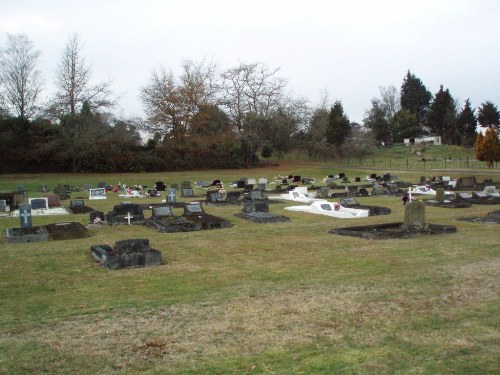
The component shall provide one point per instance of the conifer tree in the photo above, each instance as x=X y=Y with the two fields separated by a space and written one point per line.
x=467 y=124
x=415 y=97
x=339 y=127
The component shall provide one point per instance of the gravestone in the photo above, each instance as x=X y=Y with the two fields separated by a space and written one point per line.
x=99 y=193
x=363 y=192
x=463 y=195
x=61 y=191
x=20 y=188
x=160 y=186
x=349 y=201
x=423 y=180
x=392 y=188
x=466 y=183
x=357 y=179
x=262 y=180
x=153 y=193
x=25 y=215
x=162 y=211
x=39 y=203
x=187 y=192
x=324 y=192
x=373 y=176
x=87 y=187
x=341 y=175
x=440 y=194
x=352 y=190
x=76 y=203
x=186 y=184
x=378 y=189
x=3 y=205
x=127 y=254
x=54 y=200
x=251 y=181
x=101 y=185
x=241 y=184
x=171 y=197
x=330 y=181
x=233 y=196
x=414 y=218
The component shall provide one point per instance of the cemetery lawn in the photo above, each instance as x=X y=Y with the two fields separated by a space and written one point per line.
x=283 y=298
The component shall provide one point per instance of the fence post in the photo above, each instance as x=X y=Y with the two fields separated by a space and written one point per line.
x=467 y=161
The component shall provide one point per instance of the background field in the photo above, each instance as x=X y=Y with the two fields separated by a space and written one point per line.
x=285 y=298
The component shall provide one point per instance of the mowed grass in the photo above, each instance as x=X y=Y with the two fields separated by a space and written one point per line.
x=284 y=298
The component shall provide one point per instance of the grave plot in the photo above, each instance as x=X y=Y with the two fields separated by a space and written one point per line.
x=414 y=225
x=66 y=231
x=351 y=202
x=256 y=209
x=193 y=211
x=443 y=201
x=220 y=197
x=78 y=206
x=130 y=253
x=40 y=207
x=26 y=235
x=477 y=197
x=126 y=214
x=164 y=220
x=492 y=217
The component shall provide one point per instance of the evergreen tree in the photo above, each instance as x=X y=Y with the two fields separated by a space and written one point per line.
x=415 y=97
x=488 y=149
x=404 y=124
x=339 y=126
x=376 y=121
x=488 y=115
x=441 y=119
x=467 y=124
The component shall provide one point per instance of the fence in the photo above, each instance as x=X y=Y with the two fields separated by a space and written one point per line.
x=404 y=163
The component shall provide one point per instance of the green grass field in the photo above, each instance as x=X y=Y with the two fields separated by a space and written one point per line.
x=284 y=298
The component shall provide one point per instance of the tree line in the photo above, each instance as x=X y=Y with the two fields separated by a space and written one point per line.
x=201 y=118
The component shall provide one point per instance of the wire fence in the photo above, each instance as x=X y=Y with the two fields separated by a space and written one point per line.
x=402 y=163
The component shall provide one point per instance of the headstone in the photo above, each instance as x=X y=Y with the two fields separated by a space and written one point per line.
x=378 y=189
x=414 y=218
x=330 y=181
x=352 y=190
x=345 y=179
x=171 y=197
x=25 y=215
x=373 y=176
x=349 y=201
x=61 y=191
x=324 y=192
x=39 y=203
x=99 y=193
x=152 y=193
x=233 y=196
x=53 y=200
x=87 y=187
x=262 y=180
x=162 y=211
x=186 y=184
x=20 y=189
x=463 y=195
x=479 y=194
x=392 y=188
x=387 y=177
x=187 y=192
x=440 y=194
x=262 y=186
x=363 y=192
x=357 y=179
x=101 y=185
x=160 y=186
x=251 y=181
x=3 y=205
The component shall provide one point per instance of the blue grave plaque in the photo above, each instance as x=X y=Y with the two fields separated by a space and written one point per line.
x=25 y=215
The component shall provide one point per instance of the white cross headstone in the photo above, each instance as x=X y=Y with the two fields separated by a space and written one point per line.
x=128 y=217
x=410 y=199
x=25 y=215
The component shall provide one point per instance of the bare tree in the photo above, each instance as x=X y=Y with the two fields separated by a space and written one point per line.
x=73 y=84
x=20 y=80
x=172 y=103
x=390 y=100
x=251 y=88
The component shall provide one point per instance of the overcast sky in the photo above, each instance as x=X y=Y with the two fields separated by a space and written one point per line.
x=345 y=48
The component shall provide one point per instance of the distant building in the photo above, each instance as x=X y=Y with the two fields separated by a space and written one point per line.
x=429 y=139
